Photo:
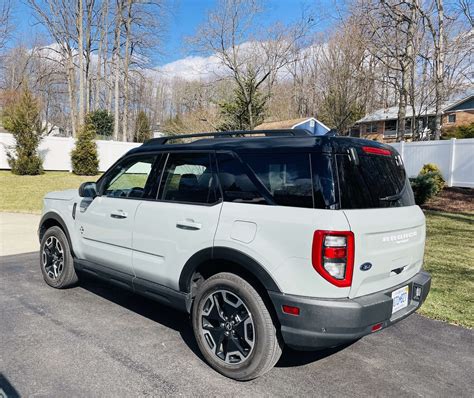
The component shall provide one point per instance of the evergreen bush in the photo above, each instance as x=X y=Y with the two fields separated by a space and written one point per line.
x=424 y=187
x=435 y=172
x=142 y=128
x=103 y=123
x=22 y=119
x=84 y=157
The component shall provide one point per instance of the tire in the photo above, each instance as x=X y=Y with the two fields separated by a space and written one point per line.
x=56 y=262
x=252 y=345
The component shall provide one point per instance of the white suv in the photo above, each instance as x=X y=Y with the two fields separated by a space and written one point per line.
x=277 y=238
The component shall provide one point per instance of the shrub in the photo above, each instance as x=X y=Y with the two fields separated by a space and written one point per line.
x=84 y=157
x=22 y=119
x=424 y=187
x=102 y=122
x=142 y=128
x=435 y=172
x=464 y=131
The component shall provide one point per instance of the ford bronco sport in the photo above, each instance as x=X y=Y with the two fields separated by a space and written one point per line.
x=265 y=238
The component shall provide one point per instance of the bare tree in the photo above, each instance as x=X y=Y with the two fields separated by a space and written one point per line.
x=246 y=53
x=116 y=59
x=60 y=20
x=5 y=24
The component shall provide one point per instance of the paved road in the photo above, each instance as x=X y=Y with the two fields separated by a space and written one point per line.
x=94 y=340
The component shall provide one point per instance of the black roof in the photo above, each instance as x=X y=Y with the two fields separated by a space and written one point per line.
x=273 y=140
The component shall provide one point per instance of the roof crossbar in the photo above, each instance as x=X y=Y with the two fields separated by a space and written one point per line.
x=229 y=134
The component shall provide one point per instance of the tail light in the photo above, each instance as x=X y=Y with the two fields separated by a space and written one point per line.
x=333 y=256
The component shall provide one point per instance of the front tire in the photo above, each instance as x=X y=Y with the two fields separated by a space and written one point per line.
x=57 y=264
x=234 y=328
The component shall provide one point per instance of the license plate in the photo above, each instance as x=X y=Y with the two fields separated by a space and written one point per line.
x=400 y=299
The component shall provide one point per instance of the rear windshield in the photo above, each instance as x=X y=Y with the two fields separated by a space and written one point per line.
x=377 y=181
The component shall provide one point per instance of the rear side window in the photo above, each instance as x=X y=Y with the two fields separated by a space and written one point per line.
x=188 y=178
x=377 y=181
x=235 y=182
x=286 y=177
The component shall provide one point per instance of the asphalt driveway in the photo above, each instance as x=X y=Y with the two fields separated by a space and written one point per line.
x=97 y=340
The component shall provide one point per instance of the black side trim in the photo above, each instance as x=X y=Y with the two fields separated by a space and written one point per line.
x=108 y=274
x=51 y=215
x=154 y=291
x=163 y=294
x=229 y=255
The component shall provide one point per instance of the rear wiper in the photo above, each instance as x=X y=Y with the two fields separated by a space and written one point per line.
x=393 y=198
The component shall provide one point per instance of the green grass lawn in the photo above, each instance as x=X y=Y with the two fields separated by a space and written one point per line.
x=449 y=257
x=449 y=248
x=25 y=193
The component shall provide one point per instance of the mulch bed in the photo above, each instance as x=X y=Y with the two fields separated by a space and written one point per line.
x=454 y=200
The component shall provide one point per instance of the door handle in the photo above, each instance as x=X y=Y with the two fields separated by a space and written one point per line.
x=118 y=214
x=188 y=225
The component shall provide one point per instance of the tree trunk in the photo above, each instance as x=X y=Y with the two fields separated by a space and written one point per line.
x=102 y=53
x=128 y=26
x=80 y=50
x=116 y=64
x=88 y=41
x=402 y=107
x=439 y=68
x=71 y=78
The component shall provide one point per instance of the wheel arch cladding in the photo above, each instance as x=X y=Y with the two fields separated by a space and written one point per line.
x=206 y=261
x=52 y=219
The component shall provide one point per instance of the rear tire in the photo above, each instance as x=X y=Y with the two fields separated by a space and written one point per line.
x=57 y=264
x=234 y=328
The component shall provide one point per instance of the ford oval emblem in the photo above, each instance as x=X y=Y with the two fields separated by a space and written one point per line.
x=365 y=266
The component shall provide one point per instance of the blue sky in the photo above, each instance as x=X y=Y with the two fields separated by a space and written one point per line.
x=185 y=17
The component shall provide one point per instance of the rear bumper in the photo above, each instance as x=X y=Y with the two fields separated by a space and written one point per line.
x=328 y=323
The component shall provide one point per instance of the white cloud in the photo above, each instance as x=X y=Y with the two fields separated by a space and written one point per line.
x=193 y=68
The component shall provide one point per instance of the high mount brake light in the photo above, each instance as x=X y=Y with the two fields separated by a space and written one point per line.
x=333 y=256
x=376 y=151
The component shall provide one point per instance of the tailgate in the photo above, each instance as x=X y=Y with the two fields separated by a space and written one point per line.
x=392 y=240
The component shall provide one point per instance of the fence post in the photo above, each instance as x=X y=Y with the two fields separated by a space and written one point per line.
x=452 y=158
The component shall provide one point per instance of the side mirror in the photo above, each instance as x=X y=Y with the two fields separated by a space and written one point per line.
x=88 y=190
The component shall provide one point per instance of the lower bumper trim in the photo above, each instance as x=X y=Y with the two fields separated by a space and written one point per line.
x=328 y=323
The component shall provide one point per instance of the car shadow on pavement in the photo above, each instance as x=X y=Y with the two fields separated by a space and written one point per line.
x=145 y=307
x=293 y=358
x=6 y=389
x=180 y=322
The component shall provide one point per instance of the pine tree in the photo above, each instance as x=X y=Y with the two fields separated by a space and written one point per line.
x=235 y=114
x=103 y=122
x=84 y=157
x=142 y=128
x=22 y=119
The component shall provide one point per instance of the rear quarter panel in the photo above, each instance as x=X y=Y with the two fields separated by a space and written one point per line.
x=280 y=239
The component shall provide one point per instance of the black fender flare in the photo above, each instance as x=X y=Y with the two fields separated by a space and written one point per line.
x=225 y=254
x=51 y=215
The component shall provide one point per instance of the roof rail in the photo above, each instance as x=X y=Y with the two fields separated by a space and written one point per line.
x=228 y=134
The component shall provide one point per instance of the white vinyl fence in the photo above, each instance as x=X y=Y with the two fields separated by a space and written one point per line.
x=455 y=158
x=56 y=152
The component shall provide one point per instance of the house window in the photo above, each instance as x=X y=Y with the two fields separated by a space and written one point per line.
x=371 y=128
x=390 y=125
x=452 y=118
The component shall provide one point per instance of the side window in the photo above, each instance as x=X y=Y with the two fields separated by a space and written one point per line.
x=129 y=178
x=287 y=177
x=235 y=183
x=188 y=178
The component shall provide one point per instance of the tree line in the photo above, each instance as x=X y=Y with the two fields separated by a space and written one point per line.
x=96 y=58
